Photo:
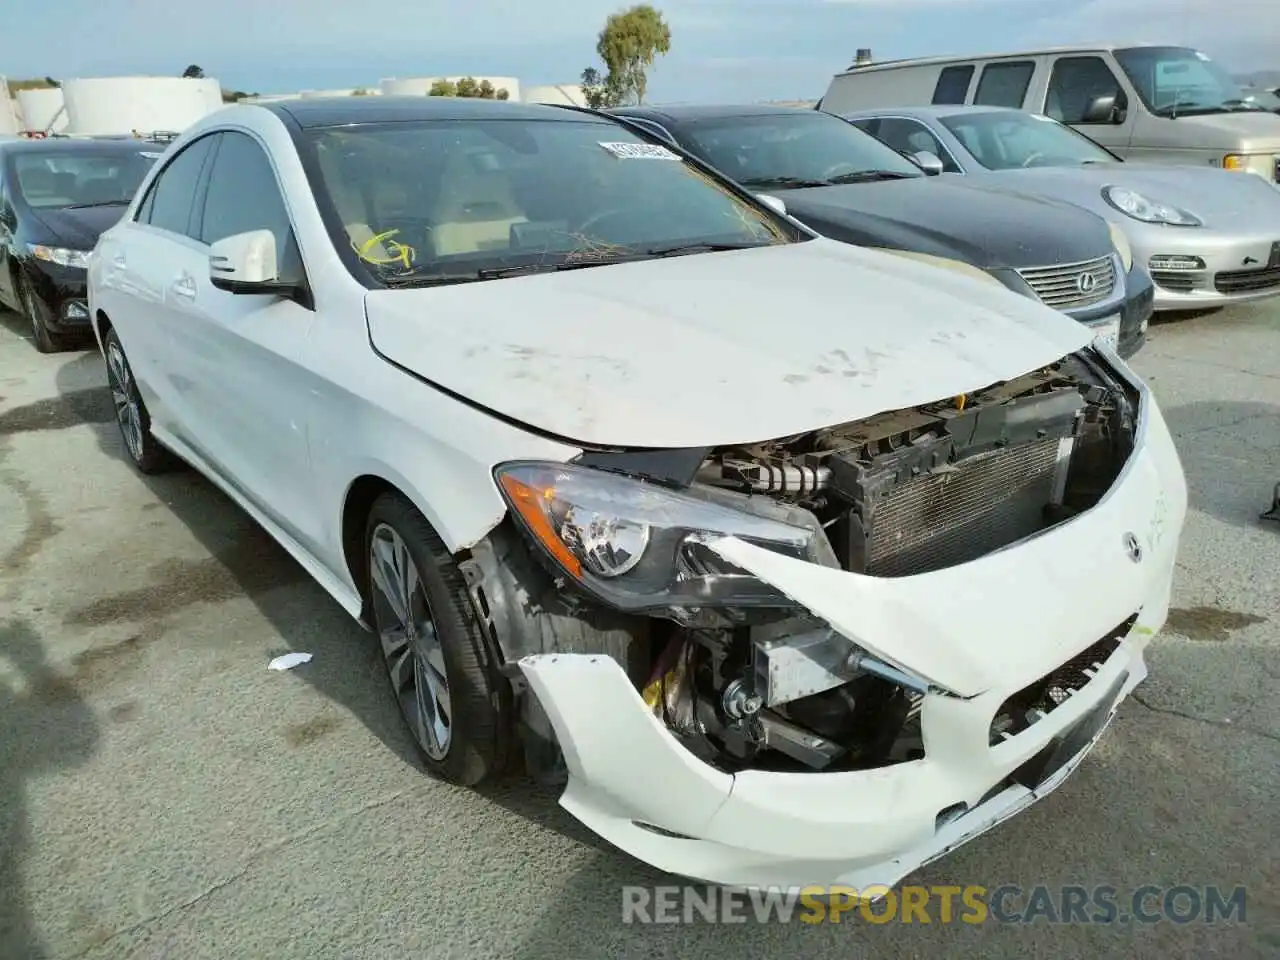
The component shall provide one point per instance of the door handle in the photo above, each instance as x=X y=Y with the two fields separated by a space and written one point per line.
x=118 y=261
x=184 y=287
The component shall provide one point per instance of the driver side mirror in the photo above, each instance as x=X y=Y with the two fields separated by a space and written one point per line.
x=928 y=162
x=247 y=263
x=1108 y=108
x=773 y=203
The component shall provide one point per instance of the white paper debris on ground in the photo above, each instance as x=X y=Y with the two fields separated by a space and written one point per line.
x=288 y=661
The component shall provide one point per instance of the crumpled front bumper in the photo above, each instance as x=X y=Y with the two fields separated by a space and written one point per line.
x=1008 y=619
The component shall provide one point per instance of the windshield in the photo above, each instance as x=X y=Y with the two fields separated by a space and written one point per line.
x=1263 y=98
x=456 y=200
x=1178 y=81
x=804 y=149
x=1010 y=140
x=64 y=179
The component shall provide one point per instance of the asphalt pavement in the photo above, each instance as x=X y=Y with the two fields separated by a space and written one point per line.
x=164 y=795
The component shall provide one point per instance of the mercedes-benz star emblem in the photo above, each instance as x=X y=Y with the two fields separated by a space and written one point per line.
x=1133 y=548
x=1086 y=282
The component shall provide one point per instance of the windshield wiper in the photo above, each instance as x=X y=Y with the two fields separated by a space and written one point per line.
x=785 y=182
x=96 y=203
x=496 y=273
x=1242 y=105
x=682 y=248
x=1172 y=110
x=867 y=176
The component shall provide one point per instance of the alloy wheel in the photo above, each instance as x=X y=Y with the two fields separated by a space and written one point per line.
x=124 y=396
x=410 y=641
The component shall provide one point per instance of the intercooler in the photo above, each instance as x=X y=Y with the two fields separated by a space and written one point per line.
x=965 y=509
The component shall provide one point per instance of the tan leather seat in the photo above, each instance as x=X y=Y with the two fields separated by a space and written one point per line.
x=351 y=208
x=476 y=207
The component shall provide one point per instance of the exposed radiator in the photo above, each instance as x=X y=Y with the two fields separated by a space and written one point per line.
x=976 y=506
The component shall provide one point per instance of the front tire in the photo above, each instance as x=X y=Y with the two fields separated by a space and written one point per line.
x=442 y=671
x=131 y=413
x=45 y=340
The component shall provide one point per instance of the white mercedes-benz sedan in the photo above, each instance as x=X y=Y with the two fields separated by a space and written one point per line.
x=796 y=563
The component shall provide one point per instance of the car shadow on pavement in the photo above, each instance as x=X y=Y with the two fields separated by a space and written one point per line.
x=1230 y=455
x=45 y=725
x=245 y=561
x=346 y=666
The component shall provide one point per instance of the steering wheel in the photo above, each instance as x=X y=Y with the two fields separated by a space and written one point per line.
x=1032 y=157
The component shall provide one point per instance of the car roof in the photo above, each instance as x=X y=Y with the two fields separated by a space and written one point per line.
x=960 y=60
x=933 y=112
x=694 y=113
x=72 y=145
x=343 y=111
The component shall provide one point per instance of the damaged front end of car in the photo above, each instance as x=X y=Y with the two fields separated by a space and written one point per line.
x=857 y=600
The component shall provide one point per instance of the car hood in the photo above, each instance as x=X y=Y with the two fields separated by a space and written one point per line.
x=717 y=348
x=1235 y=201
x=78 y=229
x=1257 y=132
x=982 y=224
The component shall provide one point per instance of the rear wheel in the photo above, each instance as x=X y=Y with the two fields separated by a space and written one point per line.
x=46 y=341
x=443 y=673
x=131 y=413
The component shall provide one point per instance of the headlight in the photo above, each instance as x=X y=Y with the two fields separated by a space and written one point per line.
x=1121 y=243
x=1135 y=205
x=62 y=256
x=1262 y=165
x=641 y=547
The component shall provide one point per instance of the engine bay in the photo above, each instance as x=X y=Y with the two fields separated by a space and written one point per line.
x=902 y=493
x=898 y=494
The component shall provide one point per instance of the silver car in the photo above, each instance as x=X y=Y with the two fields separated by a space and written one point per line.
x=1208 y=237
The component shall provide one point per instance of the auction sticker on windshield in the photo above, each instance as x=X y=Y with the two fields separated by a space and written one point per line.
x=640 y=151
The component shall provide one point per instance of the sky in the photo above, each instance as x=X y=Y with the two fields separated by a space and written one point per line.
x=725 y=50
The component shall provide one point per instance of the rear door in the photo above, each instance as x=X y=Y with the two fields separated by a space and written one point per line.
x=953 y=84
x=244 y=355
x=1007 y=83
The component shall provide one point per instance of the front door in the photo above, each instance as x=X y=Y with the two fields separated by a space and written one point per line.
x=243 y=355
x=1074 y=82
x=139 y=260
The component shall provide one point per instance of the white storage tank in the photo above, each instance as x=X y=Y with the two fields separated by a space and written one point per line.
x=569 y=94
x=271 y=97
x=43 y=109
x=8 y=110
x=311 y=94
x=407 y=86
x=421 y=86
x=119 y=105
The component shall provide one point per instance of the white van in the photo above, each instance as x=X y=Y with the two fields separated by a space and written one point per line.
x=1155 y=103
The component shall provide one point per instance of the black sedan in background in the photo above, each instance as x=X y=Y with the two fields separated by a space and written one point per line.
x=848 y=186
x=56 y=197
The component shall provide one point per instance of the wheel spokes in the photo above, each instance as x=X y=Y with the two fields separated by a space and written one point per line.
x=122 y=395
x=409 y=641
